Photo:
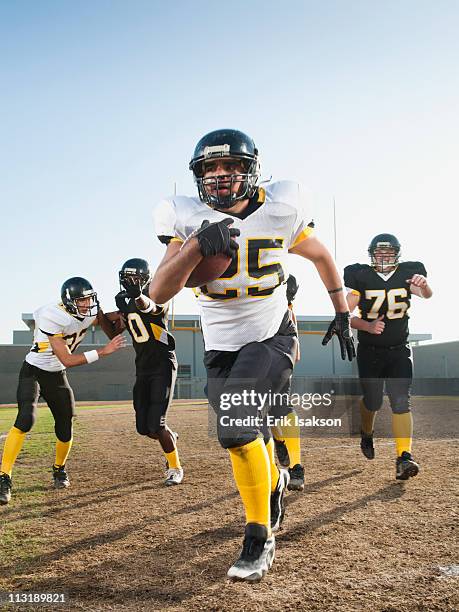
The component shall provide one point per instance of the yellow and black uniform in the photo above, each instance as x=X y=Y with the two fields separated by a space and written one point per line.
x=385 y=357
x=43 y=375
x=383 y=294
x=156 y=364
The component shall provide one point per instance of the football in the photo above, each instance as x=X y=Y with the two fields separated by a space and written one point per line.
x=116 y=318
x=208 y=269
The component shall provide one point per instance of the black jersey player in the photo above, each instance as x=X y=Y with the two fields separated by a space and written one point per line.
x=382 y=291
x=156 y=365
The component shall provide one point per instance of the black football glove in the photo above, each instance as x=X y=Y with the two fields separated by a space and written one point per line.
x=292 y=288
x=132 y=288
x=217 y=238
x=341 y=327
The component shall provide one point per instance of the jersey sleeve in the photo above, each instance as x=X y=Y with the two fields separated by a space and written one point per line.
x=419 y=268
x=414 y=267
x=350 y=279
x=303 y=226
x=165 y=221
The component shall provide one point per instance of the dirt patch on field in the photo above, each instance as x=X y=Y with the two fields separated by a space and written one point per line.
x=354 y=540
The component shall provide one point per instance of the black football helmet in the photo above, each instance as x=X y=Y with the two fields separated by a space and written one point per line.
x=384 y=262
x=292 y=288
x=75 y=289
x=135 y=270
x=222 y=144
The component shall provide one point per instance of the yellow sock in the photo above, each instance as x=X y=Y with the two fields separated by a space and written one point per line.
x=62 y=452
x=274 y=472
x=173 y=459
x=367 y=418
x=402 y=428
x=13 y=444
x=252 y=476
x=291 y=433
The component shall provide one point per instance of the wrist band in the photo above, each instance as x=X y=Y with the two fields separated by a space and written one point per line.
x=335 y=290
x=151 y=305
x=91 y=356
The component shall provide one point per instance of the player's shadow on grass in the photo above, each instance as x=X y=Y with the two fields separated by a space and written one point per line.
x=108 y=537
x=312 y=487
x=65 y=501
x=122 y=579
x=195 y=555
x=393 y=491
x=34 y=489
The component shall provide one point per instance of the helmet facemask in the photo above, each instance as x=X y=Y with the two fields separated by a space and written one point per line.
x=132 y=276
x=209 y=187
x=74 y=306
x=384 y=257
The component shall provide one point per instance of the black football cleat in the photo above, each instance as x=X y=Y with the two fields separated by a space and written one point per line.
x=296 y=478
x=406 y=467
x=60 y=477
x=278 y=501
x=367 y=446
x=282 y=453
x=5 y=489
x=257 y=555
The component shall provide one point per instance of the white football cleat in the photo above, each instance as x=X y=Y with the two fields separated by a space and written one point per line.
x=174 y=476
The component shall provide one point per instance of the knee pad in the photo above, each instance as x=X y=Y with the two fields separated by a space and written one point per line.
x=154 y=432
x=235 y=441
x=24 y=421
x=371 y=405
x=401 y=406
x=279 y=410
x=63 y=429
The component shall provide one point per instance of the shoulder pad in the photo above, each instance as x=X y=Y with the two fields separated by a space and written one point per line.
x=357 y=267
x=51 y=319
x=285 y=192
x=53 y=312
x=414 y=267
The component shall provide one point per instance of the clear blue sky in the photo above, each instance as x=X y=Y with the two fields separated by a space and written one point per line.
x=102 y=104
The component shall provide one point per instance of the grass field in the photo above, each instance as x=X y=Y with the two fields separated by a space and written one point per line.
x=355 y=539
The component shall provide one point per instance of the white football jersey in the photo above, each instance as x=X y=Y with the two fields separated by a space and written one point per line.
x=53 y=320
x=248 y=302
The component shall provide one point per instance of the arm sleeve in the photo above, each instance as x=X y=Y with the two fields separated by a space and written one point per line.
x=350 y=280
x=420 y=269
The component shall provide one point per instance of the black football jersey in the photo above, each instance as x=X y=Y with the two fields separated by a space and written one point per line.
x=389 y=296
x=148 y=331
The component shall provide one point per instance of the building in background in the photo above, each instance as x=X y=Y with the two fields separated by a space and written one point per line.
x=112 y=378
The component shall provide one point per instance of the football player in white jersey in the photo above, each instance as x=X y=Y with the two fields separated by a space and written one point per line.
x=59 y=329
x=250 y=340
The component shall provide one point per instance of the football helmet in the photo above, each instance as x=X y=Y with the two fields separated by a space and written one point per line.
x=73 y=291
x=226 y=143
x=135 y=270
x=384 y=251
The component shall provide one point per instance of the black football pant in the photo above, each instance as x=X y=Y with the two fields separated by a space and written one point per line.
x=153 y=393
x=239 y=380
x=57 y=393
x=390 y=365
